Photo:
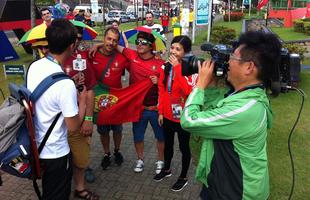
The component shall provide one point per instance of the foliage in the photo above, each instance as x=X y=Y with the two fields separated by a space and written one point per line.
x=222 y=35
x=302 y=26
x=296 y=48
x=234 y=16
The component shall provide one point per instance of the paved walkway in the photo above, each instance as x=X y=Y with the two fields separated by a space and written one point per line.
x=119 y=183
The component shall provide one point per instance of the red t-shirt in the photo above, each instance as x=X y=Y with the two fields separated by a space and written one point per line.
x=142 y=69
x=113 y=75
x=164 y=20
x=88 y=73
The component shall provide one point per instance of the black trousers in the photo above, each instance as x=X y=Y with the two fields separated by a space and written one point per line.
x=170 y=128
x=56 y=178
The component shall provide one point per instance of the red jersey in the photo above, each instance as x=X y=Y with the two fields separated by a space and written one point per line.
x=88 y=74
x=142 y=69
x=112 y=77
x=164 y=20
x=180 y=88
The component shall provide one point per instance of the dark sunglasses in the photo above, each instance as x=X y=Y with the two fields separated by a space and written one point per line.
x=79 y=38
x=142 y=42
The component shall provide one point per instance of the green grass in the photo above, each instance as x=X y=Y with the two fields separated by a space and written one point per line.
x=288 y=34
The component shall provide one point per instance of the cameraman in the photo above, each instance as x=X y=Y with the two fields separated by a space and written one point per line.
x=233 y=162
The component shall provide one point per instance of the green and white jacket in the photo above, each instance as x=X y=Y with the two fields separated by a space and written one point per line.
x=233 y=161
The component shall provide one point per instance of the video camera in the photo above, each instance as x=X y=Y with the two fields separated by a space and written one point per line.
x=287 y=74
x=219 y=54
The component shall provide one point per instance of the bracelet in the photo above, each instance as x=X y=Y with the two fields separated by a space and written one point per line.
x=88 y=118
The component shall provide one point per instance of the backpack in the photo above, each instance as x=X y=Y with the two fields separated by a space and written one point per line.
x=19 y=155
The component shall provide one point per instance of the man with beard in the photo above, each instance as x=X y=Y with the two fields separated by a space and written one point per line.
x=109 y=65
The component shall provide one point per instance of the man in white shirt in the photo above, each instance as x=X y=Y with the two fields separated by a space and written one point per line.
x=60 y=97
x=46 y=15
x=149 y=17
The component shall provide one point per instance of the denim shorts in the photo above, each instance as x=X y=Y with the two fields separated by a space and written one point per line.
x=105 y=129
x=139 y=127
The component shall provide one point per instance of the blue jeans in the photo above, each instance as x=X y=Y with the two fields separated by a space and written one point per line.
x=139 y=127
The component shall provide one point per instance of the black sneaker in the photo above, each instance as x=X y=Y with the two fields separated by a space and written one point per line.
x=118 y=158
x=179 y=185
x=162 y=174
x=106 y=161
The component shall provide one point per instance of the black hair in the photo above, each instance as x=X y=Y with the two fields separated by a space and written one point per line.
x=149 y=12
x=44 y=9
x=264 y=49
x=186 y=43
x=113 y=30
x=60 y=35
x=147 y=36
x=115 y=21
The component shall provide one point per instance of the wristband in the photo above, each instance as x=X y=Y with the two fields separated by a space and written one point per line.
x=88 y=118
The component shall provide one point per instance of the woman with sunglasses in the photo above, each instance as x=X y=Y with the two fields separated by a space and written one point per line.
x=173 y=91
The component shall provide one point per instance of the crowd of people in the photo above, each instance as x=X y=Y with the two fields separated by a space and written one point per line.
x=233 y=160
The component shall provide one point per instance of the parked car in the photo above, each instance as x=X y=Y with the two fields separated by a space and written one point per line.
x=117 y=15
x=96 y=17
x=131 y=16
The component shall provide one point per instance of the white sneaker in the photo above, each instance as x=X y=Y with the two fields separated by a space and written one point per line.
x=159 y=165
x=139 y=166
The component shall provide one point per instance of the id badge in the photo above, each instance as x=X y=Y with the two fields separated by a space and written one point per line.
x=176 y=111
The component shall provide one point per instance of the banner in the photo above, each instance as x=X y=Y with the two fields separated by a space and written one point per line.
x=7 y=52
x=202 y=13
x=116 y=106
x=261 y=4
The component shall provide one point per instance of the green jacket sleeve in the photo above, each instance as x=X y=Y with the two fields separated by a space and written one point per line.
x=232 y=117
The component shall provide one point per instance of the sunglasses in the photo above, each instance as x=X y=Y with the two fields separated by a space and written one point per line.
x=79 y=38
x=142 y=42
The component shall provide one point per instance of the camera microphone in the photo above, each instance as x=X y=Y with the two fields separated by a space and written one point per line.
x=206 y=47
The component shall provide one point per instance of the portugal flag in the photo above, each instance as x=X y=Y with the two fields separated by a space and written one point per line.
x=261 y=4
x=116 y=106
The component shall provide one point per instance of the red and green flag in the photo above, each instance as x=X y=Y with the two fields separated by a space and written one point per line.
x=116 y=106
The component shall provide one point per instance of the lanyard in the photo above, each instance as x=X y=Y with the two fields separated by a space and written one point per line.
x=51 y=58
x=170 y=80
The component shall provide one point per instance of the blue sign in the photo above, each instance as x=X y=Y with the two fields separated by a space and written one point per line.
x=7 y=51
x=246 y=2
x=202 y=13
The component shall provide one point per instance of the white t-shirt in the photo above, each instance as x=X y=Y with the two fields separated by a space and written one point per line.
x=60 y=97
x=158 y=28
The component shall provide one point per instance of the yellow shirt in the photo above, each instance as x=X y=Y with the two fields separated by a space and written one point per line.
x=191 y=16
x=174 y=20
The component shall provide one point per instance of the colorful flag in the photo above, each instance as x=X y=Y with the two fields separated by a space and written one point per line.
x=116 y=106
x=261 y=4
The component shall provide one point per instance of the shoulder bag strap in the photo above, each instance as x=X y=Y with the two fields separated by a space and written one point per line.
x=107 y=67
x=49 y=131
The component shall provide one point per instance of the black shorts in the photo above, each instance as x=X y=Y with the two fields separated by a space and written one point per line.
x=56 y=178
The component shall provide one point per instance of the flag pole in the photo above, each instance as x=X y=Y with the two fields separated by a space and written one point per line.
x=209 y=20
x=194 y=22
x=250 y=8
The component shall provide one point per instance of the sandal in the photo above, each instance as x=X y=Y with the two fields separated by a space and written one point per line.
x=85 y=194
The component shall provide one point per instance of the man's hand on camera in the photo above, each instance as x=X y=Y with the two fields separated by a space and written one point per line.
x=205 y=74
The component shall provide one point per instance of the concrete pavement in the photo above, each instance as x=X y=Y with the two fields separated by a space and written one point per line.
x=119 y=182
